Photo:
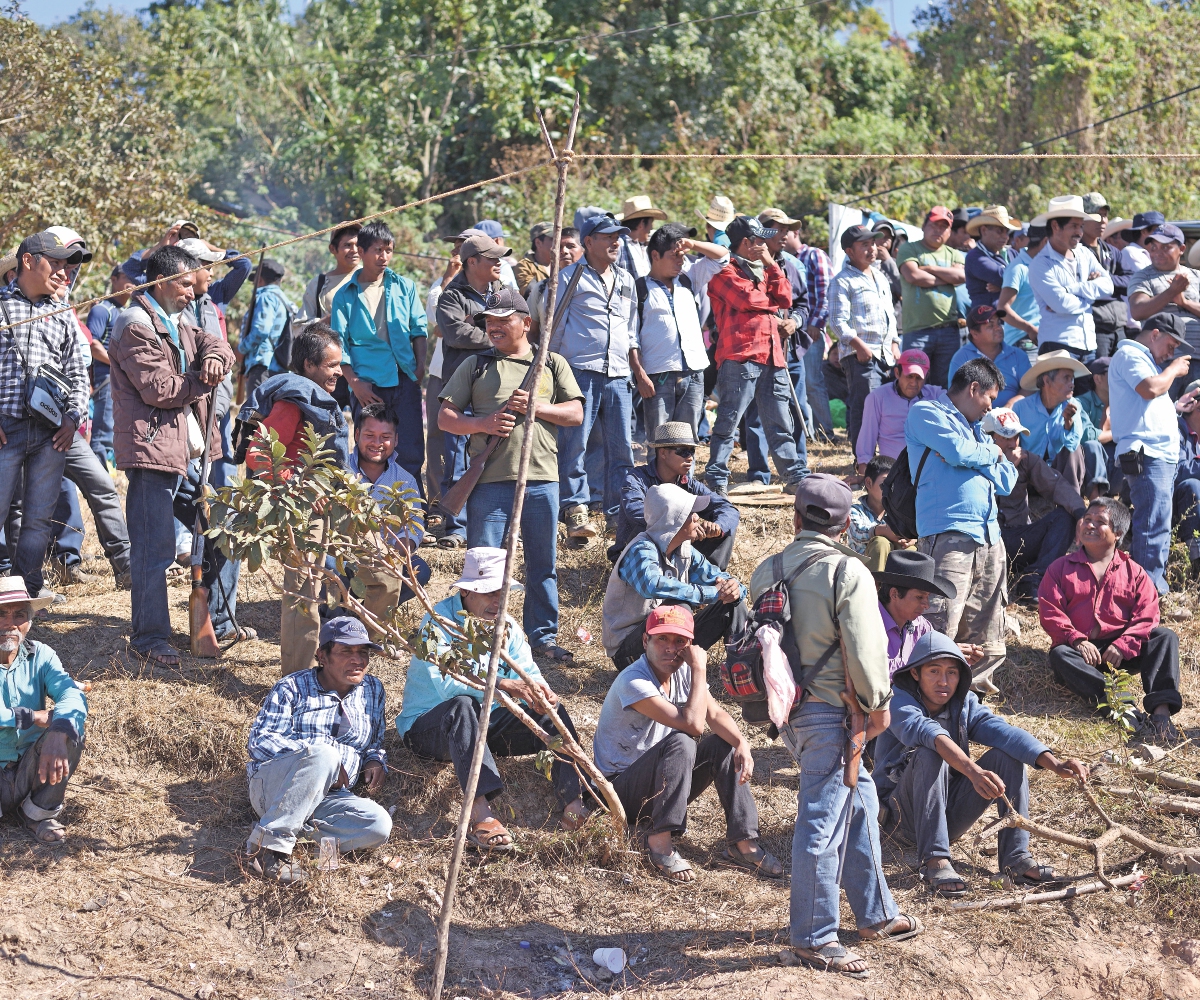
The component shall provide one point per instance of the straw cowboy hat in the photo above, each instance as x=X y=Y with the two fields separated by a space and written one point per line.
x=8 y=262
x=1066 y=206
x=1049 y=362
x=1116 y=226
x=639 y=207
x=993 y=215
x=720 y=213
x=12 y=591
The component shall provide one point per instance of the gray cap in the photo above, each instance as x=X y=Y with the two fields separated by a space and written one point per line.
x=1093 y=201
x=540 y=230
x=348 y=631
x=823 y=500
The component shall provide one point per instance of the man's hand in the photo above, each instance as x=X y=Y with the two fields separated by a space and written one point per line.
x=711 y=529
x=1179 y=283
x=1069 y=412
x=212 y=370
x=373 y=775
x=514 y=687
x=453 y=266
x=883 y=531
x=994 y=289
x=1093 y=275
x=861 y=351
x=987 y=784
x=64 y=435
x=729 y=590
x=743 y=763
x=3 y=438
x=43 y=717
x=500 y=423
x=645 y=385
x=518 y=402
x=696 y=658
x=1072 y=770
x=971 y=652
x=787 y=327
x=53 y=765
x=364 y=392
x=1179 y=367
x=343 y=780
x=1091 y=655
x=1112 y=659
x=877 y=722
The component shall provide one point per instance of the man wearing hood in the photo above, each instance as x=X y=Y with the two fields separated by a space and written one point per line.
x=661 y=565
x=934 y=790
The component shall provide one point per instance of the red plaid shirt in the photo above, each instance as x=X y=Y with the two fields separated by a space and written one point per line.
x=746 y=314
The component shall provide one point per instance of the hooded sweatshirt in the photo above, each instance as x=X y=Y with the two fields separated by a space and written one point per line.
x=645 y=575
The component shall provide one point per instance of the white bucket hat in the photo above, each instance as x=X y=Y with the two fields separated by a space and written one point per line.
x=483 y=571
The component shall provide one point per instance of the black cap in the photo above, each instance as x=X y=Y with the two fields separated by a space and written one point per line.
x=47 y=244
x=745 y=226
x=1168 y=323
x=857 y=234
x=823 y=499
x=502 y=303
x=272 y=269
x=961 y=216
x=1099 y=366
x=983 y=312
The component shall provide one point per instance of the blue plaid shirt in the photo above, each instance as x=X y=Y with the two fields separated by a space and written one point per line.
x=299 y=711
x=642 y=570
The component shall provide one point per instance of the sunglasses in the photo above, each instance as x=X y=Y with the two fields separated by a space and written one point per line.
x=685 y=452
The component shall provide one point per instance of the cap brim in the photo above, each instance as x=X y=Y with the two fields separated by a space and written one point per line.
x=669 y=629
x=914 y=369
x=360 y=642
x=601 y=231
x=701 y=502
x=485 y=586
x=940 y=585
x=1160 y=238
x=72 y=255
x=767 y=234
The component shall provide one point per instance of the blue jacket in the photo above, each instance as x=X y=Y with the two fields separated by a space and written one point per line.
x=372 y=359
x=970 y=722
x=632 y=521
x=35 y=677
x=319 y=408
x=271 y=311
x=1047 y=436
x=962 y=475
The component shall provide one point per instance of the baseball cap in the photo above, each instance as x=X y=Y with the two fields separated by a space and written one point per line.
x=962 y=215
x=777 y=218
x=1166 y=234
x=939 y=213
x=1003 y=421
x=183 y=224
x=490 y=227
x=1099 y=366
x=1148 y=220
x=981 y=313
x=71 y=239
x=502 y=303
x=883 y=225
x=199 y=249
x=482 y=246
x=912 y=361
x=745 y=226
x=1093 y=201
x=857 y=234
x=601 y=225
x=671 y=619
x=1169 y=324
x=348 y=631
x=823 y=499
x=540 y=229
x=466 y=234
x=50 y=245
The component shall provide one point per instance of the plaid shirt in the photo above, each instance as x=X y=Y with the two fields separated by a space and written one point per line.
x=50 y=340
x=635 y=258
x=819 y=272
x=642 y=570
x=747 y=311
x=862 y=307
x=298 y=712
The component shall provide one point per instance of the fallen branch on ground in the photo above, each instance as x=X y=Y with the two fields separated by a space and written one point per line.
x=1005 y=902
x=1165 y=778
x=1159 y=803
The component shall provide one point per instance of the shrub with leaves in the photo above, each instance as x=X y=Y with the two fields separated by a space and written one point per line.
x=1120 y=699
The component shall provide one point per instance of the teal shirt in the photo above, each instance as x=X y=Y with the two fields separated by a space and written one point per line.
x=35 y=676
x=426 y=688
x=1016 y=277
x=370 y=357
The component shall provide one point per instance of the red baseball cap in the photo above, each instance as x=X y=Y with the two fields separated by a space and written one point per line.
x=675 y=619
x=912 y=361
x=939 y=213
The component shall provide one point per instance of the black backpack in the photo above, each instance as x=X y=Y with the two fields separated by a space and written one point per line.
x=283 y=350
x=900 y=496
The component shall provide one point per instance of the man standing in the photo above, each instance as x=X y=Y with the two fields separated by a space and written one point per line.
x=930 y=272
x=318 y=295
x=1107 y=313
x=100 y=323
x=488 y=387
x=381 y=322
x=32 y=448
x=818 y=276
x=537 y=296
x=272 y=312
x=535 y=265
x=886 y=409
x=1022 y=314
x=1166 y=286
x=1066 y=280
x=863 y=322
x=598 y=331
x=988 y=259
x=1145 y=429
x=746 y=296
x=958 y=472
x=986 y=340
x=841 y=629
x=638 y=215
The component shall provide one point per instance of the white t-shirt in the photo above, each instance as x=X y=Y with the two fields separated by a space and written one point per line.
x=435 y=359
x=623 y=734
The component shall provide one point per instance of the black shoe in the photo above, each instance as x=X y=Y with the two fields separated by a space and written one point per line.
x=276 y=867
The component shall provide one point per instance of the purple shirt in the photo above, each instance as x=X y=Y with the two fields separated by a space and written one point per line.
x=884 y=413
x=900 y=644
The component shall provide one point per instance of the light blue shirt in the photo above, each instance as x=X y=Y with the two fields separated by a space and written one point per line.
x=1016 y=277
x=1047 y=436
x=371 y=357
x=394 y=475
x=258 y=343
x=35 y=677
x=964 y=472
x=1148 y=425
x=598 y=329
x=1065 y=295
x=1012 y=362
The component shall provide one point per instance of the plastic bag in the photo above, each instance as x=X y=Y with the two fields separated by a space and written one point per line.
x=777 y=675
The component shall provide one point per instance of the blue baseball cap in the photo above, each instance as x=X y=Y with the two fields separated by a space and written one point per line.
x=1148 y=220
x=601 y=225
x=490 y=227
x=1166 y=234
x=348 y=631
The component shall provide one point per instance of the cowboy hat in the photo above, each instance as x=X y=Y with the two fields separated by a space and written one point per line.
x=1116 y=226
x=1066 y=206
x=1050 y=361
x=12 y=591
x=1193 y=257
x=993 y=215
x=720 y=213
x=909 y=569
x=639 y=207
x=483 y=571
x=8 y=262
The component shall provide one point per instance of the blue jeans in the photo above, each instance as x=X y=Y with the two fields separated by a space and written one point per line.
x=861 y=381
x=609 y=401
x=102 y=417
x=30 y=458
x=939 y=343
x=224 y=471
x=403 y=401
x=1186 y=507
x=220 y=575
x=489 y=509
x=816 y=736
x=1151 y=494
x=454 y=458
x=677 y=396
x=818 y=397
x=68 y=525
x=738 y=382
x=754 y=440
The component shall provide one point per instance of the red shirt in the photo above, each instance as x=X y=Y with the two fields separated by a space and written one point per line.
x=286 y=420
x=746 y=313
x=1071 y=602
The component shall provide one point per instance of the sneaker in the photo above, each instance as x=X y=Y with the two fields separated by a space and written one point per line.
x=791 y=489
x=1158 y=729
x=721 y=489
x=123 y=579
x=1173 y=608
x=579 y=522
x=276 y=867
x=45 y=592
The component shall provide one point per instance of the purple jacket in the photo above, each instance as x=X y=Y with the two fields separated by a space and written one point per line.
x=884 y=413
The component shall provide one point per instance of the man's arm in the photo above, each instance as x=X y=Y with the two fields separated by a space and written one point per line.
x=1052 y=608
x=935 y=429
x=1072 y=298
x=139 y=355
x=1143 y=617
x=642 y=570
x=691 y=715
x=1007 y=296
x=223 y=291
x=645 y=386
x=1153 y=386
x=868 y=435
x=271 y=733
x=458 y=329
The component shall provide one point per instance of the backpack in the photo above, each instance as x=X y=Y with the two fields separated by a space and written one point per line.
x=742 y=668
x=283 y=350
x=900 y=496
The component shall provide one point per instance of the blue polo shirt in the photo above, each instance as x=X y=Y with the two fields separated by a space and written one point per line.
x=1149 y=425
x=1012 y=362
x=1016 y=277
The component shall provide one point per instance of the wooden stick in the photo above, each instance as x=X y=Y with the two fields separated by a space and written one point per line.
x=1165 y=778
x=1045 y=897
x=1160 y=803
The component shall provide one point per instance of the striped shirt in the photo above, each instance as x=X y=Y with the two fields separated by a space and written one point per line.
x=52 y=340
x=819 y=273
x=861 y=306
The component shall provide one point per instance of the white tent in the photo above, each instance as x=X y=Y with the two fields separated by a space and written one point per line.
x=842 y=217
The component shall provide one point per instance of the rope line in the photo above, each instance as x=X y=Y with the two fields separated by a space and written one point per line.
x=888 y=156
x=235 y=221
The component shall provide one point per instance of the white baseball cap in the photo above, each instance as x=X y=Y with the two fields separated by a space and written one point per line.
x=1003 y=421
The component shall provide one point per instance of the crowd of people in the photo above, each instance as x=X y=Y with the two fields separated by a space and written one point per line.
x=983 y=366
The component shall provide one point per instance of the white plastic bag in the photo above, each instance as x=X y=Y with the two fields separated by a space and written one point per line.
x=777 y=676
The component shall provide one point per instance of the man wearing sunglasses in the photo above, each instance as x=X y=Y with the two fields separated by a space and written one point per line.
x=674 y=445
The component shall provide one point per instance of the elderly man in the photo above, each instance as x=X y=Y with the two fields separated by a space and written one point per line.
x=1022 y=314
x=985 y=339
x=886 y=409
x=1057 y=424
x=1166 y=286
x=317 y=733
x=535 y=265
x=39 y=747
x=987 y=261
x=440 y=718
x=930 y=272
x=33 y=447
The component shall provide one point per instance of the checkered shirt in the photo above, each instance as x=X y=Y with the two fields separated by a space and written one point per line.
x=50 y=340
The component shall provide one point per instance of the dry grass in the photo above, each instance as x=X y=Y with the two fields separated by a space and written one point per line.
x=158 y=813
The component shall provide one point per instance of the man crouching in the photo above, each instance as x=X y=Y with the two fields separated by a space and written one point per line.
x=39 y=747
x=317 y=732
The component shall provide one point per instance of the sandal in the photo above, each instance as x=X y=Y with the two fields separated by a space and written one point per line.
x=161 y=655
x=832 y=957
x=1042 y=875
x=556 y=653
x=669 y=866
x=239 y=634
x=940 y=879
x=883 y=933
x=452 y=542
x=757 y=861
x=486 y=834
x=45 y=831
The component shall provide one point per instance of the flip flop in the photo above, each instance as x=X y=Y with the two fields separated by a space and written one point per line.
x=555 y=653
x=757 y=861
x=884 y=935
x=1046 y=875
x=937 y=880
x=832 y=957
x=155 y=655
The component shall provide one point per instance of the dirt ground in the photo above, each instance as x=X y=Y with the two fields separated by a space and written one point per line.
x=147 y=897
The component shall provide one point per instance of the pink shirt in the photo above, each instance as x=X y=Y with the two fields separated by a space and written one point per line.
x=900 y=643
x=884 y=413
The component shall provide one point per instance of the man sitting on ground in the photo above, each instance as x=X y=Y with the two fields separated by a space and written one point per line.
x=661 y=565
x=934 y=790
x=1100 y=609
x=674 y=445
x=440 y=718
x=1057 y=423
x=1031 y=545
x=645 y=745
x=869 y=534
x=887 y=408
x=39 y=747
x=986 y=340
x=317 y=733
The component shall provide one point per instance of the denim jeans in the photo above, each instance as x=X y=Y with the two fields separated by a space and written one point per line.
x=939 y=343
x=488 y=511
x=30 y=458
x=815 y=736
x=814 y=378
x=677 y=396
x=68 y=526
x=608 y=400
x=738 y=382
x=220 y=575
x=1186 y=514
x=403 y=402
x=754 y=440
x=454 y=467
x=1151 y=494
x=1031 y=548
x=861 y=380
x=102 y=415
x=84 y=468
x=292 y=795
